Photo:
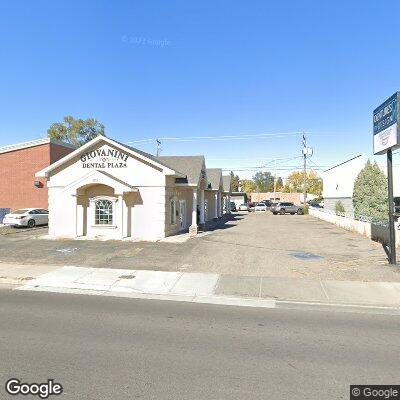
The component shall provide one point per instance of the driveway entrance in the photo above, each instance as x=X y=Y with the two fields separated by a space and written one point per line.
x=246 y=244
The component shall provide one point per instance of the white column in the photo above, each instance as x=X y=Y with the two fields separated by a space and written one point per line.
x=216 y=205
x=76 y=216
x=121 y=215
x=125 y=218
x=194 y=209
x=228 y=204
x=201 y=206
x=219 y=204
x=79 y=218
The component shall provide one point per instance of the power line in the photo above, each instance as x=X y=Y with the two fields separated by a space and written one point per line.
x=218 y=137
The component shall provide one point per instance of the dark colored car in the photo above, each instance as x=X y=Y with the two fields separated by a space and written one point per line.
x=251 y=205
x=232 y=206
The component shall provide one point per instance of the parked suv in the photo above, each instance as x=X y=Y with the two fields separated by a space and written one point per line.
x=286 y=208
x=232 y=206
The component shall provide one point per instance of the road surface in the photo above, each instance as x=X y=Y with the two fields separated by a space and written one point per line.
x=113 y=348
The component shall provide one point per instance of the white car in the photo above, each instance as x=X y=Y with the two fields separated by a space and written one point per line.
x=260 y=207
x=243 y=207
x=29 y=217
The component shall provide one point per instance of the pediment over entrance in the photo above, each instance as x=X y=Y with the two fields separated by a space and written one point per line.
x=98 y=177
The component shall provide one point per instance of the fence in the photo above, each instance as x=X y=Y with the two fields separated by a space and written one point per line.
x=378 y=231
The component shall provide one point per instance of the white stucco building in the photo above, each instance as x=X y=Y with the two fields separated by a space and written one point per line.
x=338 y=182
x=106 y=189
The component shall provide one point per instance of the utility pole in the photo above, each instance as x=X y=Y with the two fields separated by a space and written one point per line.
x=159 y=148
x=305 y=169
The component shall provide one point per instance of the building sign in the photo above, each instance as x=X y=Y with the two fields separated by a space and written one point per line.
x=104 y=158
x=386 y=129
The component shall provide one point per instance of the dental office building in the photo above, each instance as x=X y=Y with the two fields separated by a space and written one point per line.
x=106 y=189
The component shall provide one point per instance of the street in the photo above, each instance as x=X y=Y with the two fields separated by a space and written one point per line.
x=114 y=348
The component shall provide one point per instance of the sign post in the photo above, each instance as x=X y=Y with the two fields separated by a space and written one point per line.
x=387 y=138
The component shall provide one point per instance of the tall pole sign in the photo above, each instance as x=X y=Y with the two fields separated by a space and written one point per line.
x=386 y=120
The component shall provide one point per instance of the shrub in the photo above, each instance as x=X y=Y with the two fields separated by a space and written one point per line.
x=339 y=208
x=370 y=193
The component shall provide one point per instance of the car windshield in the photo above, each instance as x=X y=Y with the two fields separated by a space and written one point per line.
x=19 y=211
x=261 y=204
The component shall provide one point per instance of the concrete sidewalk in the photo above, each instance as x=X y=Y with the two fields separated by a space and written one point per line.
x=199 y=287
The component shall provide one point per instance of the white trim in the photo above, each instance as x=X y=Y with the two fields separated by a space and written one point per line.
x=33 y=143
x=44 y=173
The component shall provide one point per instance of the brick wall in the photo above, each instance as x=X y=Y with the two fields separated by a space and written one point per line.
x=280 y=196
x=17 y=175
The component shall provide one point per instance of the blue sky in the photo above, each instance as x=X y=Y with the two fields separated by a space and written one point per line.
x=210 y=68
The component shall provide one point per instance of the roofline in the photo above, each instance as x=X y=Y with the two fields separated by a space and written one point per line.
x=344 y=162
x=45 y=172
x=34 y=143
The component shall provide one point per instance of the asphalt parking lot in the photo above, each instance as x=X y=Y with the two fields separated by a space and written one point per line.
x=246 y=245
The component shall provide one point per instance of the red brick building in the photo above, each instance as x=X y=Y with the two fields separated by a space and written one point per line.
x=279 y=196
x=18 y=165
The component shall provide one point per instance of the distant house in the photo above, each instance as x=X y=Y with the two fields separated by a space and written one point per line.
x=239 y=198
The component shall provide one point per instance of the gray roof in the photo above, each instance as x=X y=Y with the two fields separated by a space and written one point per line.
x=214 y=176
x=148 y=155
x=190 y=166
x=226 y=180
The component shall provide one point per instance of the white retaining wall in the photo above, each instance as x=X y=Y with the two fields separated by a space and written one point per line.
x=375 y=232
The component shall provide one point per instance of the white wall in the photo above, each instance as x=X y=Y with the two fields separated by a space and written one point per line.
x=147 y=215
x=376 y=233
x=339 y=180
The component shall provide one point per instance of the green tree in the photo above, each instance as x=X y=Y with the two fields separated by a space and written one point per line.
x=234 y=182
x=76 y=131
x=370 y=193
x=247 y=185
x=263 y=182
x=295 y=183
x=279 y=184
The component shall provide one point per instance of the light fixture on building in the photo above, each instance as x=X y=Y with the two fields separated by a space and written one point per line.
x=38 y=184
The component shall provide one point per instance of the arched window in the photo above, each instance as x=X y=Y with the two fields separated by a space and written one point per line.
x=173 y=212
x=103 y=212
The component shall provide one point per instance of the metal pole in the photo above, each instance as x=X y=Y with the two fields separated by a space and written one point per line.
x=275 y=182
x=158 y=142
x=392 y=237
x=305 y=169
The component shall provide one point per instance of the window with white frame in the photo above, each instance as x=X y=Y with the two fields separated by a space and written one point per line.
x=173 y=212
x=103 y=212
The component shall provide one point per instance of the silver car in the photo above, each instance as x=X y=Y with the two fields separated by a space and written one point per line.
x=29 y=217
x=286 y=208
x=260 y=207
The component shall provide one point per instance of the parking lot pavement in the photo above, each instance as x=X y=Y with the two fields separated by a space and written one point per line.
x=261 y=245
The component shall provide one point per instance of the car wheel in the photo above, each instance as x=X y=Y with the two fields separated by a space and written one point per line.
x=282 y=212
x=299 y=212
x=31 y=223
x=274 y=213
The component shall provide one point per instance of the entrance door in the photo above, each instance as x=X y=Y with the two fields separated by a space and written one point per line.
x=182 y=214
